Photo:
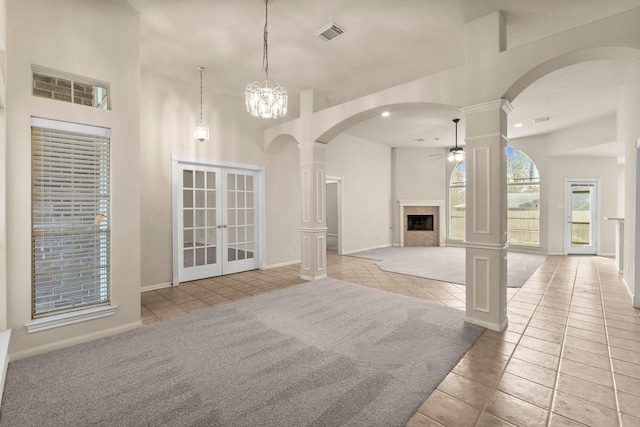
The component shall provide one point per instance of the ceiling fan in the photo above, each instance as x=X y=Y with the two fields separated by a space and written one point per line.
x=455 y=153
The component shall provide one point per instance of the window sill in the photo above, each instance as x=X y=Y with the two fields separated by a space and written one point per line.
x=65 y=319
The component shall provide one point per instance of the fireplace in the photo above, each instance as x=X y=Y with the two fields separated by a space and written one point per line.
x=421 y=226
x=419 y=222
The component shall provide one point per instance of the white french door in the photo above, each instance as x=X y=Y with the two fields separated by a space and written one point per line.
x=581 y=212
x=215 y=216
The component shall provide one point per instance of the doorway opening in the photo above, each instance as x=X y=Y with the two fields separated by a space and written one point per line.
x=334 y=213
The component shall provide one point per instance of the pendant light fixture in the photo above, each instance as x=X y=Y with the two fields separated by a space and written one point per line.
x=267 y=100
x=456 y=153
x=201 y=131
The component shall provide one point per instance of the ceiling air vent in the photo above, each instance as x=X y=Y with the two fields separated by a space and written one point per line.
x=329 y=32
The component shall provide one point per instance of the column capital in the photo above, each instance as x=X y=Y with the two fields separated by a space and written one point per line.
x=312 y=144
x=503 y=104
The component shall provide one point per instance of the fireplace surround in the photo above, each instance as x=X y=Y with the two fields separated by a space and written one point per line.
x=421 y=222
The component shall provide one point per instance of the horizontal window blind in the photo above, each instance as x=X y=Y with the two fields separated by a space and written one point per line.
x=70 y=217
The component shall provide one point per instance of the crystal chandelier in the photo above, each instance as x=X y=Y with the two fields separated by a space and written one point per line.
x=456 y=153
x=267 y=100
x=201 y=131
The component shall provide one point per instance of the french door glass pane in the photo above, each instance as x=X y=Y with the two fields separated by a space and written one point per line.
x=187 y=217
x=187 y=179
x=200 y=256
x=188 y=258
x=199 y=179
x=187 y=200
x=188 y=238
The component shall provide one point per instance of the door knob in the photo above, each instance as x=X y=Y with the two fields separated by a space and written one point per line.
x=219 y=225
x=225 y=226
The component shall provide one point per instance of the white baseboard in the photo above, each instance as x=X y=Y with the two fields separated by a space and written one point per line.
x=366 y=249
x=169 y=284
x=155 y=287
x=629 y=290
x=4 y=357
x=282 y=264
x=73 y=341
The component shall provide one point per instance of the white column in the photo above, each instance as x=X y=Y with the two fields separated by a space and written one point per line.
x=313 y=226
x=486 y=213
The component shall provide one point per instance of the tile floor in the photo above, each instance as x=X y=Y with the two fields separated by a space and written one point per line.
x=569 y=357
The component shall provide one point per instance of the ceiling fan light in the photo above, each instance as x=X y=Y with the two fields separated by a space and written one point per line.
x=456 y=153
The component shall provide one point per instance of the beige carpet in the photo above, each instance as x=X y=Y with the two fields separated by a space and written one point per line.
x=325 y=353
x=447 y=264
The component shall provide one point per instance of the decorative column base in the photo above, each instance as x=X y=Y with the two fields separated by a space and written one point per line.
x=486 y=302
x=313 y=265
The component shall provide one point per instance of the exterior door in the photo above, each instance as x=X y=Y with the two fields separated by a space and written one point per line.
x=215 y=221
x=582 y=219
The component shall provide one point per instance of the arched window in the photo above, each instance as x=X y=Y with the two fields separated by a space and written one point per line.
x=523 y=200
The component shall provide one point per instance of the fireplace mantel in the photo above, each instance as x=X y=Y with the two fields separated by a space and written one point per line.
x=442 y=220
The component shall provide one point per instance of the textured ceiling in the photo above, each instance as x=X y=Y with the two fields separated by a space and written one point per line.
x=386 y=43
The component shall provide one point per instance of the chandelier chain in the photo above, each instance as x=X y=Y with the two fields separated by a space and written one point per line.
x=265 y=44
x=201 y=68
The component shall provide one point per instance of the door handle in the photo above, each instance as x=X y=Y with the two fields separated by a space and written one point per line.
x=225 y=226
x=219 y=225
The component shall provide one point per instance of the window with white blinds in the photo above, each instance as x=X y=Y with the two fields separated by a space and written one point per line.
x=70 y=216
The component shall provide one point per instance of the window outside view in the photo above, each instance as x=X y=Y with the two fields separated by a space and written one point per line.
x=523 y=200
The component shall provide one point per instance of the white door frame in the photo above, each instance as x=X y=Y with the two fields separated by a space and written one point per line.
x=176 y=192
x=595 y=216
x=338 y=180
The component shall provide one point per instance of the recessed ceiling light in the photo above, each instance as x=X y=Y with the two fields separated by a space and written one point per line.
x=385 y=114
x=542 y=119
x=517 y=125
x=418 y=140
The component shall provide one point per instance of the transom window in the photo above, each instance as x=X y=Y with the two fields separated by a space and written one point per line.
x=69 y=89
x=523 y=200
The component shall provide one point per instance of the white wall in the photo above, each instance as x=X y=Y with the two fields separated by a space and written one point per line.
x=419 y=175
x=3 y=176
x=629 y=133
x=169 y=111
x=99 y=40
x=553 y=171
x=604 y=168
x=366 y=171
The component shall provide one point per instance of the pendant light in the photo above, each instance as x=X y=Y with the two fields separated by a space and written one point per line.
x=456 y=153
x=201 y=131
x=267 y=100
